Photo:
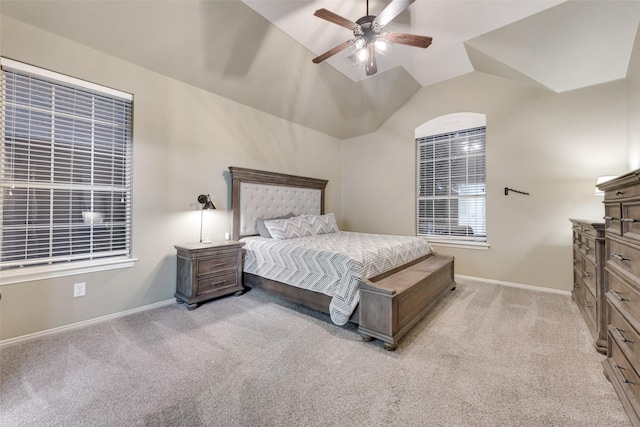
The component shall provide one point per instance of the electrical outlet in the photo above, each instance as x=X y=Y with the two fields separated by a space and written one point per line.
x=78 y=289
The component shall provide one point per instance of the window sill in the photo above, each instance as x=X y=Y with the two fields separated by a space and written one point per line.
x=30 y=274
x=480 y=246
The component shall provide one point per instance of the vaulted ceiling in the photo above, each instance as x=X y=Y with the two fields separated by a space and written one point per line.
x=258 y=52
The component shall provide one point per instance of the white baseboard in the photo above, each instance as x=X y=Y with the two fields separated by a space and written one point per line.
x=20 y=339
x=477 y=280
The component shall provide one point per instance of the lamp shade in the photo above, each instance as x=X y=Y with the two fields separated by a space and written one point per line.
x=205 y=199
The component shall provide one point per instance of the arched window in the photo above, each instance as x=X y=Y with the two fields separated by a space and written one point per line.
x=451 y=178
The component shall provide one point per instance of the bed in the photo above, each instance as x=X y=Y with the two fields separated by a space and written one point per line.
x=385 y=284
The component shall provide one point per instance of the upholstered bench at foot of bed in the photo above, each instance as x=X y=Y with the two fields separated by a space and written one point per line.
x=392 y=304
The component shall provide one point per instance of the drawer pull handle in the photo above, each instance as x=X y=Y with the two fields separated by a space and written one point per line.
x=219 y=282
x=621 y=372
x=628 y=219
x=622 y=337
x=619 y=193
x=220 y=264
x=618 y=295
x=620 y=257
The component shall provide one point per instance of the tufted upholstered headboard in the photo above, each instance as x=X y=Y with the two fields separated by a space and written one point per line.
x=259 y=194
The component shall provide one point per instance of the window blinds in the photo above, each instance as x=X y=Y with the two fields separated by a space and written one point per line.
x=452 y=185
x=65 y=168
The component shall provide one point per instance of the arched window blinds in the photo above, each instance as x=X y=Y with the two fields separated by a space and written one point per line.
x=451 y=181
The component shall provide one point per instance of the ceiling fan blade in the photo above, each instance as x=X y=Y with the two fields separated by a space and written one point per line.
x=408 y=39
x=393 y=9
x=370 y=65
x=327 y=15
x=330 y=53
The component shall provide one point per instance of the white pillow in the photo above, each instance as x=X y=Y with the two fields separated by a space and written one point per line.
x=282 y=229
x=322 y=224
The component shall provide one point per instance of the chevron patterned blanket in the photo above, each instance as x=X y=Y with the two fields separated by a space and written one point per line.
x=331 y=263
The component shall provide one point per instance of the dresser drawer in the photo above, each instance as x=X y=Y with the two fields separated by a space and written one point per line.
x=589 y=247
x=589 y=276
x=626 y=336
x=590 y=231
x=624 y=256
x=612 y=213
x=217 y=282
x=624 y=373
x=590 y=306
x=211 y=265
x=577 y=286
x=630 y=219
x=577 y=260
x=622 y=192
x=576 y=231
x=625 y=296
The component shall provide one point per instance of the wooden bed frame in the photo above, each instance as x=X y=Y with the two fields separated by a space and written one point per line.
x=390 y=303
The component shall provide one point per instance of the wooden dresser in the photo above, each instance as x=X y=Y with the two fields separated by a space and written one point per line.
x=208 y=270
x=622 y=275
x=589 y=286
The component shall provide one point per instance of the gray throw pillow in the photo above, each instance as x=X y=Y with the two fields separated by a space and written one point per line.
x=262 y=229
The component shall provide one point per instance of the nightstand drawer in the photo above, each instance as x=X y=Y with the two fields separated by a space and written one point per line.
x=217 y=282
x=211 y=265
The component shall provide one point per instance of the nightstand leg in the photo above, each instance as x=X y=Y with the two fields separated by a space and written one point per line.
x=192 y=306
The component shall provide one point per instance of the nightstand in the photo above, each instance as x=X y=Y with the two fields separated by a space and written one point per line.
x=208 y=270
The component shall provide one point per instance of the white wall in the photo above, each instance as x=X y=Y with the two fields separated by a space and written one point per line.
x=553 y=146
x=184 y=141
x=633 y=106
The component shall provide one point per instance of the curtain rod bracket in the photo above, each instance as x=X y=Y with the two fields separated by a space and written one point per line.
x=507 y=189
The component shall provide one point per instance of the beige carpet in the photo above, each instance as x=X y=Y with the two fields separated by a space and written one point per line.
x=488 y=356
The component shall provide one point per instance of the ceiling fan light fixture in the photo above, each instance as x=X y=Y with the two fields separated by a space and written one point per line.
x=369 y=38
x=355 y=61
x=358 y=51
x=359 y=43
x=383 y=46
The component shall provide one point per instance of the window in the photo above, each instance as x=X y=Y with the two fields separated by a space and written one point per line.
x=451 y=183
x=65 y=169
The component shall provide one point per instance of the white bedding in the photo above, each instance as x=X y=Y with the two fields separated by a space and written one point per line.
x=331 y=263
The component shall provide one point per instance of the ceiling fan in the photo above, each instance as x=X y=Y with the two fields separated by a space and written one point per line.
x=369 y=37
